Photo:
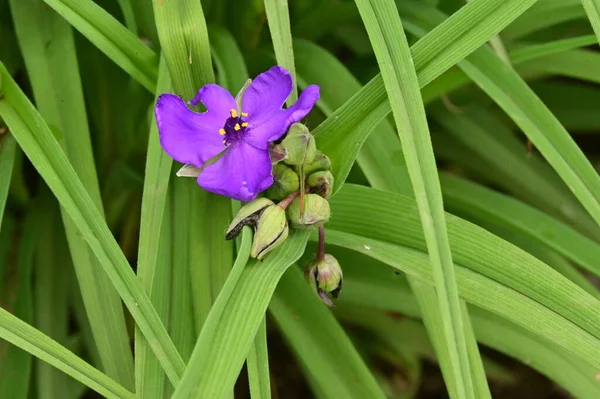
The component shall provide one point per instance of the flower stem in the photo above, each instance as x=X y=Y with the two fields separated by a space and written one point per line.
x=288 y=200
x=321 y=251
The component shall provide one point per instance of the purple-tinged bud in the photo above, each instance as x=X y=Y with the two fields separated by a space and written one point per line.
x=325 y=277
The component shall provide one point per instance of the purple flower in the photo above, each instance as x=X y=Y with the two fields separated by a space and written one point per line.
x=244 y=169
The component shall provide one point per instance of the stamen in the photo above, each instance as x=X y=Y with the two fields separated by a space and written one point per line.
x=237 y=127
x=233 y=113
x=244 y=124
x=222 y=132
x=244 y=114
x=224 y=141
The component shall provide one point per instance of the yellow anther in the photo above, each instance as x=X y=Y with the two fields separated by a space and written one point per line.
x=233 y=113
x=244 y=114
x=244 y=124
x=237 y=127
x=222 y=132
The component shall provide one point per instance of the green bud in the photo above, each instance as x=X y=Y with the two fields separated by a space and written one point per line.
x=316 y=212
x=321 y=183
x=247 y=216
x=300 y=145
x=286 y=182
x=271 y=231
x=325 y=277
x=320 y=163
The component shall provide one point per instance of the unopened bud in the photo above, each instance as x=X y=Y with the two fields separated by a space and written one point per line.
x=285 y=182
x=320 y=163
x=247 y=216
x=321 y=183
x=300 y=145
x=316 y=212
x=271 y=231
x=325 y=277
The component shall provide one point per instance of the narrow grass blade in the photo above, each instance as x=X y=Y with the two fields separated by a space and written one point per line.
x=320 y=344
x=153 y=268
x=258 y=365
x=7 y=157
x=31 y=340
x=118 y=43
x=278 y=18
x=37 y=141
x=489 y=208
x=228 y=333
x=181 y=313
x=54 y=74
x=525 y=53
x=184 y=40
x=128 y=14
x=400 y=79
x=51 y=290
x=16 y=373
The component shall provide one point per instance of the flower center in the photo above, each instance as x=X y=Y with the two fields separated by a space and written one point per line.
x=234 y=128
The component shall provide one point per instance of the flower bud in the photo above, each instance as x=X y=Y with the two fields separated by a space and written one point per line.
x=271 y=231
x=300 y=145
x=247 y=216
x=321 y=183
x=316 y=212
x=320 y=163
x=325 y=277
x=285 y=182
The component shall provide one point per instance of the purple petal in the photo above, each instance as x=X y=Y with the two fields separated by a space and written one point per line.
x=187 y=136
x=267 y=93
x=259 y=134
x=241 y=173
x=216 y=99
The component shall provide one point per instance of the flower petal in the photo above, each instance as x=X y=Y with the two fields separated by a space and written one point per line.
x=267 y=93
x=216 y=99
x=276 y=124
x=187 y=136
x=241 y=173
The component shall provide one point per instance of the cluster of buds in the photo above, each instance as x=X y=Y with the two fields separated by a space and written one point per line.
x=298 y=199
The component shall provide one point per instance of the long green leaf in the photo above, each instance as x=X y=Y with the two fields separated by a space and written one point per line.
x=37 y=141
x=54 y=74
x=28 y=338
x=491 y=208
x=17 y=370
x=153 y=270
x=7 y=157
x=115 y=40
x=258 y=365
x=397 y=69
x=278 y=18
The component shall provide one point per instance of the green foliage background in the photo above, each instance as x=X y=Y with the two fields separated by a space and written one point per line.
x=464 y=144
